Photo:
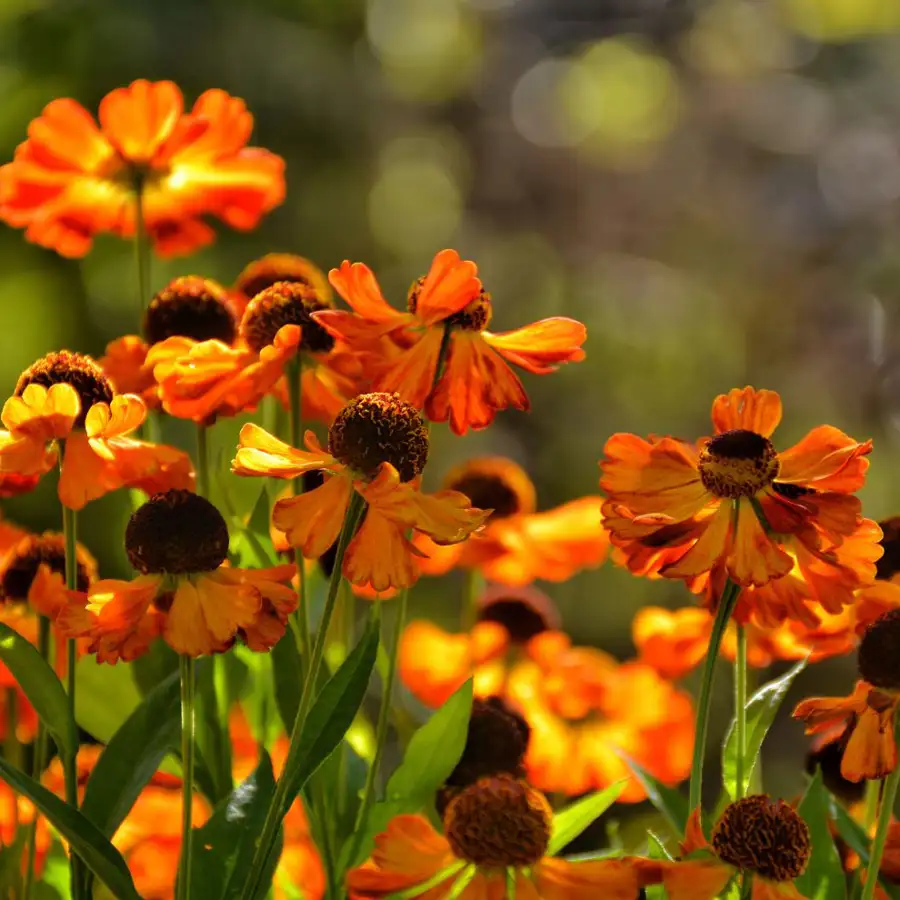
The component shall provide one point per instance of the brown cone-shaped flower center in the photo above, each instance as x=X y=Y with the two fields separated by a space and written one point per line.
x=879 y=652
x=176 y=533
x=523 y=611
x=192 y=307
x=738 y=463
x=494 y=482
x=497 y=822
x=285 y=303
x=889 y=564
x=75 y=369
x=274 y=267
x=764 y=836
x=474 y=316
x=22 y=563
x=377 y=428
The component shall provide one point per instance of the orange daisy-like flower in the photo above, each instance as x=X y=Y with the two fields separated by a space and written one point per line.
x=518 y=545
x=585 y=709
x=448 y=312
x=262 y=273
x=870 y=751
x=680 y=510
x=71 y=180
x=178 y=543
x=66 y=397
x=496 y=835
x=377 y=446
x=200 y=380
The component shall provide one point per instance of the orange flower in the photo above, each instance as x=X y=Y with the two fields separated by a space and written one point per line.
x=870 y=751
x=412 y=858
x=518 y=545
x=202 y=379
x=66 y=397
x=178 y=542
x=71 y=180
x=681 y=510
x=15 y=812
x=378 y=445
x=449 y=301
x=584 y=708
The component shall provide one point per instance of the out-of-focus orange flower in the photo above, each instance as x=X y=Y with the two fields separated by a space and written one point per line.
x=178 y=542
x=71 y=180
x=200 y=380
x=584 y=708
x=448 y=314
x=378 y=445
x=732 y=501
x=262 y=273
x=18 y=812
x=66 y=397
x=518 y=544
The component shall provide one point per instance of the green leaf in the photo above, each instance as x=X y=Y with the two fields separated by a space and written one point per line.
x=857 y=840
x=132 y=756
x=287 y=675
x=434 y=749
x=43 y=689
x=824 y=878
x=656 y=849
x=670 y=802
x=761 y=710
x=222 y=854
x=251 y=547
x=568 y=823
x=105 y=696
x=333 y=711
x=89 y=843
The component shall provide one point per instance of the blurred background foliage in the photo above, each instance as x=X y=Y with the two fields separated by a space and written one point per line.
x=711 y=185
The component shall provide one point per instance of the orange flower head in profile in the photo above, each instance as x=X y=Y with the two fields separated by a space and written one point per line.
x=443 y=335
x=732 y=505
x=72 y=180
x=178 y=542
x=870 y=751
x=377 y=448
x=189 y=307
x=66 y=397
x=262 y=273
x=518 y=544
x=496 y=836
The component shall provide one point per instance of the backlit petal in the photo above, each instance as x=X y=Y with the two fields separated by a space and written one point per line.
x=747 y=408
x=312 y=521
x=612 y=879
x=356 y=283
x=260 y=453
x=541 y=345
x=451 y=284
x=139 y=119
x=826 y=460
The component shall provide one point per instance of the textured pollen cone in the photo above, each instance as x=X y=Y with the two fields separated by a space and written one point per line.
x=192 y=307
x=879 y=652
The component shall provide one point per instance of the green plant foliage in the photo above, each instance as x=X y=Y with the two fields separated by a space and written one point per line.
x=824 y=878
x=568 y=823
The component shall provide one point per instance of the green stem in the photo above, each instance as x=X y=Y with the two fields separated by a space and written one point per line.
x=740 y=709
x=884 y=821
x=381 y=728
x=723 y=614
x=471 y=588
x=278 y=804
x=141 y=246
x=295 y=397
x=873 y=793
x=188 y=683
x=37 y=768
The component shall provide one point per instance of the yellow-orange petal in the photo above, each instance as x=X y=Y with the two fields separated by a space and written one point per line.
x=260 y=453
x=356 y=283
x=139 y=119
x=451 y=284
x=42 y=413
x=612 y=879
x=380 y=556
x=871 y=752
x=755 y=558
x=411 y=372
x=540 y=346
x=312 y=521
x=674 y=642
x=821 y=713
x=709 y=549
x=125 y=414
x=826 y=460
x=749 y=409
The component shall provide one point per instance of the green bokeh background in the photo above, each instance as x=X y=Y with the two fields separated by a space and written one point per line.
x=711 y=186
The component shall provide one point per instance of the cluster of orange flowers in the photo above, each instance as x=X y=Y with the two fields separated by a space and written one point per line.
x=781 y=533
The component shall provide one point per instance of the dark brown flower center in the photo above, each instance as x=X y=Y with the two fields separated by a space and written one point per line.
x=497 y=822
x=192 y=307
x=176 y=533
x=75 y=369
x=285 y=303
x=763 y=836
x=494 y=482
x=879 y=652
x=474 y=316
x=274 y=267
x=738 y=463
x=380 y=428
x=22 y=563
x=889 y=564
x=524 y=611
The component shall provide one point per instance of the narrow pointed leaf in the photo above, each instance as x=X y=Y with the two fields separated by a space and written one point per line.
x=858 y=841
x=89 y=843
x=656 y=850
x=761 y=710
x=132 y=756
x=824 y=878
x=571 y=821
x=40 y=684
x=288 y=678
x=670 y=802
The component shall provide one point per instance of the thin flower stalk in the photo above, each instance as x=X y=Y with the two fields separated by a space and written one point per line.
x=889 y=796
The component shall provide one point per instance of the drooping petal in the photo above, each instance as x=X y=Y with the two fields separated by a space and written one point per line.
x=312 y=521
x=260 y=453
x=41 y=413
x=380 y=556
x=612 y=879
x=871 y=752
x=23 y=461
x=826 y=460
x=748 y=409
x=411 y=373
x=66 y=136
x=540 y=346
x=821 y=713
x=689 y=879
x=451 y=284
x=755 y=558
x=710 y=547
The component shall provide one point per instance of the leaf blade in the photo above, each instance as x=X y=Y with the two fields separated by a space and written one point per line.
x=670 y=802
x=824 y=878
x=571 y=821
